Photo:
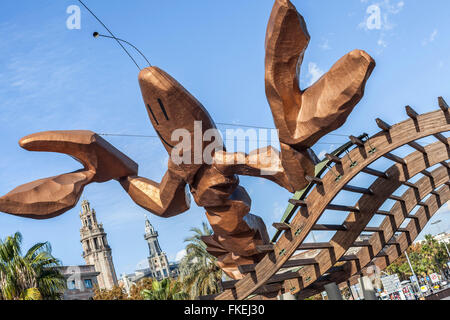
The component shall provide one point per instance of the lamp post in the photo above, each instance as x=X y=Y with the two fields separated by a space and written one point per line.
x=414 y=274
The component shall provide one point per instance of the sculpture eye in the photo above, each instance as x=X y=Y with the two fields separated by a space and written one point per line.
x=163 y=109
x=153 y=115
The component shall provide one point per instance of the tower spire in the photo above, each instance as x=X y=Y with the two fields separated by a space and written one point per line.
x=96 y=250
x=157 y=260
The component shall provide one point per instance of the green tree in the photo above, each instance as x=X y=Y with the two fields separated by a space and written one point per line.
x=32 y=276
x=199 y=273
x=428 y=257
x=166 y=289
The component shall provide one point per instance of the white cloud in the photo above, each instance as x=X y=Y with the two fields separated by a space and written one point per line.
x=278 y=211
x=430 y=38
x=180 y=255
x=314 y=73
x=325 y=45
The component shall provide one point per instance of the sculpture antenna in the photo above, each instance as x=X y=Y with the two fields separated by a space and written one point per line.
x=109 y=31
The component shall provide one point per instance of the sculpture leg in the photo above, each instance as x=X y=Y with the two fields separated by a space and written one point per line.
x=236 y=233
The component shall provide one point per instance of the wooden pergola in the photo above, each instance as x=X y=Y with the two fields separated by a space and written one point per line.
x=282 y=271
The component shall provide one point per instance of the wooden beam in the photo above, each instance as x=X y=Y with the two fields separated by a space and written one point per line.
x=410 y=216
x=244 y=269
x=396 y=198
x=265 y=248
x=299 y=263
x=329 y=227
x=361 y=244
x=442 y=104
x=281 y=226
x=422 y=204
x=384 y=213
x=427 y=173
x=411 y=113
x=394 y=158
x=383 y=125
x=351 y=257
x=373 y=229
x=357 y=190
x=333 y=158
x=357 y=141
x=441 y=138
x=315 y=245
x=298 y=203
x=418 y=147
x=375 y=173
x=409 y=184
x=336 y=207
x=314 y=180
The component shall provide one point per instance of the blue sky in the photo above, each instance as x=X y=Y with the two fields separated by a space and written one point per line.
x=52 y=78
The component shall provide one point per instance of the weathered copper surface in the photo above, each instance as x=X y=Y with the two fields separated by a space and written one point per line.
x=302 y=117
x=53 y=196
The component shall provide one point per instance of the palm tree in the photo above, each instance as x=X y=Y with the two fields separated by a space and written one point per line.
x=32 y=276
x=164 y=290
x=199 y=273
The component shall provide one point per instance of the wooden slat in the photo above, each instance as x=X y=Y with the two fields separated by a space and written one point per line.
x=441 y=138
x=314 y=246
x=384 y=213
x=329 y=227
x=247 y=268
x=410 y=216
x=298 y=203
x=411 y=113
x=361 y=244
x=445 y=164
x=375 y=173
x=351 y=257
x=314 y=180
x=383 y=125
x=422 y=204
x=409 y=184
x=394 y=158
x=357 y=190
x=427 y=173
x=417 y=146
x=333 y=158
x=356 y=141
x=373 y=229
x=265 y=248
x=299 y=263
x=336 y=207
x=403 y=230
x=442 y=104
x=281 y=226
x=396 y=198
x=244 y=269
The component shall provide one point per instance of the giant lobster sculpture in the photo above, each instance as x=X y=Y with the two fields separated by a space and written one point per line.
x=301 y=116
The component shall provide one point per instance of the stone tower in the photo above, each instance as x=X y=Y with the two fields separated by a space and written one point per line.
x=96 y=250
x=159 y=265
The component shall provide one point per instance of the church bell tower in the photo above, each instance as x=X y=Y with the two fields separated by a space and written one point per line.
x=96 y=250
x=159 y=265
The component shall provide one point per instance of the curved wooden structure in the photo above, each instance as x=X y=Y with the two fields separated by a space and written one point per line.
x=281 y=271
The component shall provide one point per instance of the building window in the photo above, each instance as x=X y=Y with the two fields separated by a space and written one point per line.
x=71 y=285
x=88 y=284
